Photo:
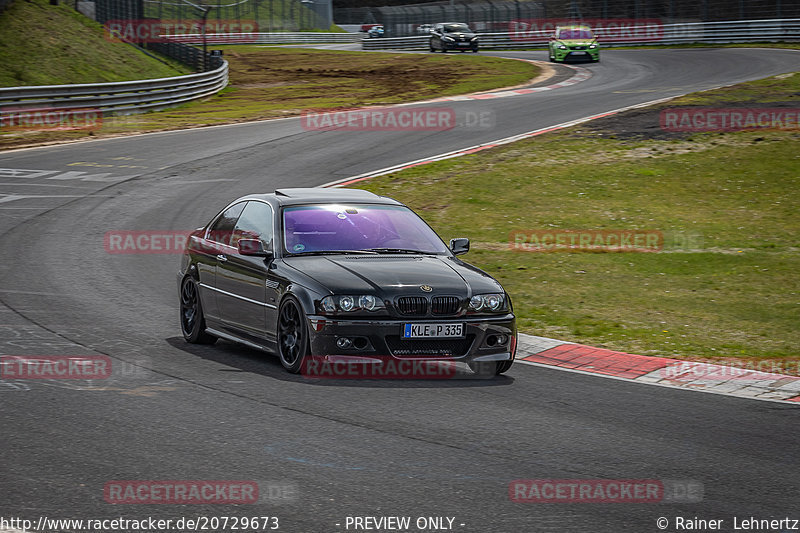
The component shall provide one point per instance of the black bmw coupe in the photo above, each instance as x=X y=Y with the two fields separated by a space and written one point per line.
x=342 y=274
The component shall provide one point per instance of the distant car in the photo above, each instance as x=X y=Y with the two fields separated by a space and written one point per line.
x=424 y=29
x=340 y=273
x=375 y=31
x=453 y=36
x=573 y=42
x=365 y=27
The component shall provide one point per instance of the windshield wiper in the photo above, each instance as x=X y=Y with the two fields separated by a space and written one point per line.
x=398 y=251
x=333 y=252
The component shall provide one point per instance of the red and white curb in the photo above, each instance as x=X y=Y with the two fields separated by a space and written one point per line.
x=581 y=74
x=676 y=373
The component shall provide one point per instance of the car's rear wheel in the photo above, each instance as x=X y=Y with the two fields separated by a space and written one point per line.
x=193 y=323
x=474 y=50
x=292 y=335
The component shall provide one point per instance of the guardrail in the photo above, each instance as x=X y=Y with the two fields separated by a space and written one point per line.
x=739 y=31
x=268 y=38
x=124 y=97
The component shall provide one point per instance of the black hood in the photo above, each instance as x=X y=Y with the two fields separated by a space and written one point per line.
x=394 y=275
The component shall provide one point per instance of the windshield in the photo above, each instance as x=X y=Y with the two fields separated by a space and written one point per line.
x=336 y=228
x=575 y=34
x=457 y=28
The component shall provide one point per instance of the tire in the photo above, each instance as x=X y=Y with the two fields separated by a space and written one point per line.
x=444 y=50
x=489 y=369
x=292 y=335
x=433 y=50
x=474 y=50
x=503 y=366
x=193 y=323
x=485 y=369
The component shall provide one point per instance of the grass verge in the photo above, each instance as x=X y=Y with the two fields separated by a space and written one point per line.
x=270 y=82
x=725 y=287
x=53 y=45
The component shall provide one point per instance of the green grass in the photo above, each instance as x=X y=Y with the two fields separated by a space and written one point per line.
x=52 y=45
x=726 y=285
x=270 y=82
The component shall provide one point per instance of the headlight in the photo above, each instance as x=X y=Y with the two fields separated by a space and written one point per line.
x=487 y=302
x=348 y=303
x=446 y=38
x=562 y=47
x=592 y=46
x=328 y=305
x=474 y=38
x=367 y=302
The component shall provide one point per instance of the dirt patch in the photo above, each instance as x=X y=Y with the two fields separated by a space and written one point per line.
x=645 y=123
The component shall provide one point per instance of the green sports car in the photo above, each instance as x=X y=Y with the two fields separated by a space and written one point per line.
x=573 y=42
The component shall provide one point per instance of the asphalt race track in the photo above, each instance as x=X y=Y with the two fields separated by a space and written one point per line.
x=330 y=449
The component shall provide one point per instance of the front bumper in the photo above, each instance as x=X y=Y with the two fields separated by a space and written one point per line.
x=485 y=339
x=592 y=54
x=460 y=45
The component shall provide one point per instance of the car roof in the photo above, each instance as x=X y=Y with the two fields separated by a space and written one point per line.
x=307 y=195
x=574 y=27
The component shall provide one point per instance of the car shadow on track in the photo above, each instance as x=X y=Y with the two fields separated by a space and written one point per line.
x=240 y=358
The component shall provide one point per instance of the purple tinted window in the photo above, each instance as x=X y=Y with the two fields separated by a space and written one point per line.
x=314 y=228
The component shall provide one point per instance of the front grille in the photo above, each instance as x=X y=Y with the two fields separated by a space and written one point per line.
x=412 y=305
x=577 y=47
x=429 y=347
x=445 y=305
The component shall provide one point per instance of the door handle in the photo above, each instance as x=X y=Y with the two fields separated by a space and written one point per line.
x=222 y=258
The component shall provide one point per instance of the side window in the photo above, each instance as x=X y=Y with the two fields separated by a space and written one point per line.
x=255 y=222
x=223 y=227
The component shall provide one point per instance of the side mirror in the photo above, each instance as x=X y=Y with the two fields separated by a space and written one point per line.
x=459 y=246
x=253 y=247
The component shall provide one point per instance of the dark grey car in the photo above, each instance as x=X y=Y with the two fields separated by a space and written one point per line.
x=340 y=273
x=453 y=36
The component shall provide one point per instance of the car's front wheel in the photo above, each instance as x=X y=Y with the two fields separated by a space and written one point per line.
x=292 y=335
x=193 y=323
x=488 y=369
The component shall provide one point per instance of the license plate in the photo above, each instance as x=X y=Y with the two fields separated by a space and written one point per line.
x=432 y=331
x=463 y=44
x=579 y=53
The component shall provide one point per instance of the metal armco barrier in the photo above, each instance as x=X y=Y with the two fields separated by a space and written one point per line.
x=269 y=38
x=124 y=97
x=738 y=31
